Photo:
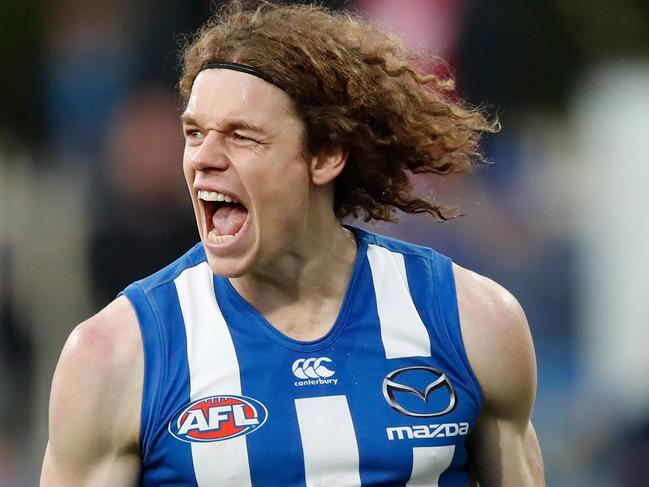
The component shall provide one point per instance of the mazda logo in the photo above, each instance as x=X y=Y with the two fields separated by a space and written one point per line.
x=445 y=400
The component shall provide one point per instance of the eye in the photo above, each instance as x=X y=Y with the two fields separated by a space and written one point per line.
x=241 y=137
x=192 y=134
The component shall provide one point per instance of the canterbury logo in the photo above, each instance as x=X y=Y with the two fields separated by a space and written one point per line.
x=312 y=368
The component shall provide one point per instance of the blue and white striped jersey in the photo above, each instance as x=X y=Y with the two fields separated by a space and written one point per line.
x=386 y=398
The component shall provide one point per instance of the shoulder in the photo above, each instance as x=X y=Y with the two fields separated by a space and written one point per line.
x=97 y=385
x=498 y=343
x=109 y=342
x=170 y=272
x=391 y=244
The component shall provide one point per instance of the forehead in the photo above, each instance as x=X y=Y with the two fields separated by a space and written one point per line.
x=220 y=94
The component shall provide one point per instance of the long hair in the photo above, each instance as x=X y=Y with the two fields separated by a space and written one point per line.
x=355 y=85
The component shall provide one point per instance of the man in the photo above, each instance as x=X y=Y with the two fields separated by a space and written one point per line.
x=286 y=349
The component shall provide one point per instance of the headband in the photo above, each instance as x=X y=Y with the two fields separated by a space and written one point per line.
x=242 y=68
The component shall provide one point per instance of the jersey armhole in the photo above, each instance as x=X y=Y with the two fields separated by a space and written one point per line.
x=447 y=309
x=152 y=341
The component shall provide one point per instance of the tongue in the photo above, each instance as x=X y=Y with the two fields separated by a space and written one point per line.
x=229 y=218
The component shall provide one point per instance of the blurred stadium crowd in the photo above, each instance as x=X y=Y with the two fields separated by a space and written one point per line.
x=92 y=195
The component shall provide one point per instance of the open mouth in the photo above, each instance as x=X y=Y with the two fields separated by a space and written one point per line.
x=224 y=216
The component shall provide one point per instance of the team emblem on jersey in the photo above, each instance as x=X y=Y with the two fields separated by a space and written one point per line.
x=218 y=418
x=419 y=391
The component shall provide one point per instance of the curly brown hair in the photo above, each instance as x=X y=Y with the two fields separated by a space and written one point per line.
x=355 y=85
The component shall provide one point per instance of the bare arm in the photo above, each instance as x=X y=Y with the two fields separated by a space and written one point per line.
x=95 y=404
x=503 y=446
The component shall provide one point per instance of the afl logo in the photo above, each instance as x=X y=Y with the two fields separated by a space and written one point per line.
x=218 y=418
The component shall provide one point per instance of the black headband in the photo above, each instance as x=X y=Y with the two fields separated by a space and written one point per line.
x=242 y=68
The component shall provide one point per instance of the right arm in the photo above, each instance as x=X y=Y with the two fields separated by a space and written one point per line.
x=503 y=446
x=95 y=403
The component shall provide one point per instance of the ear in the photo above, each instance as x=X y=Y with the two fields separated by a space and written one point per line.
x=327 y=163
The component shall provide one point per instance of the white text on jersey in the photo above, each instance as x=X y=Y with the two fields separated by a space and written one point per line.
x=216 y=414
x=444 y=430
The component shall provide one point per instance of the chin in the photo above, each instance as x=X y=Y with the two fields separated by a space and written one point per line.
x=227 y=266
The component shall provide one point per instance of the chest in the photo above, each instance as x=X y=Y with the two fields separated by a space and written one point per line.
x=385 y=398
x=304 y=323
x=256 y=412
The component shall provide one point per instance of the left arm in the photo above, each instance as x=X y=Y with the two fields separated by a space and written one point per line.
x=503 y=447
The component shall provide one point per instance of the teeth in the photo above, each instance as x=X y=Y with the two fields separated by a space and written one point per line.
x=216 y=238
x=214 y=196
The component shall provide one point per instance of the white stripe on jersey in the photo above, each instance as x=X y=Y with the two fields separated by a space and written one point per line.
x=328 y=442
x=402 y=331
x=428 y=463
x=213 y=370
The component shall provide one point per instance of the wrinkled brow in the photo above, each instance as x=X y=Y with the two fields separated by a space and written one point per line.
x=226 y=126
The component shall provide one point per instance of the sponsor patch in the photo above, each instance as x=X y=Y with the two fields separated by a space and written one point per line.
x=419 y=391
x=444 y=430
x=313 y=371
x=218 y=418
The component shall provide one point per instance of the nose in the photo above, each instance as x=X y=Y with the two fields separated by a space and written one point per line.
x=210 y=154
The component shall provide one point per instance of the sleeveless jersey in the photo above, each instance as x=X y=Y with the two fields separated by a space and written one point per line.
x=386 y=398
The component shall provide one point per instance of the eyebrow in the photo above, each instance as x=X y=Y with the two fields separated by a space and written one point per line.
x=228 y=125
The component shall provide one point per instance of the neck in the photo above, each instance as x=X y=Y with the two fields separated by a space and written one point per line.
x=301 y=292
x=317 y=264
